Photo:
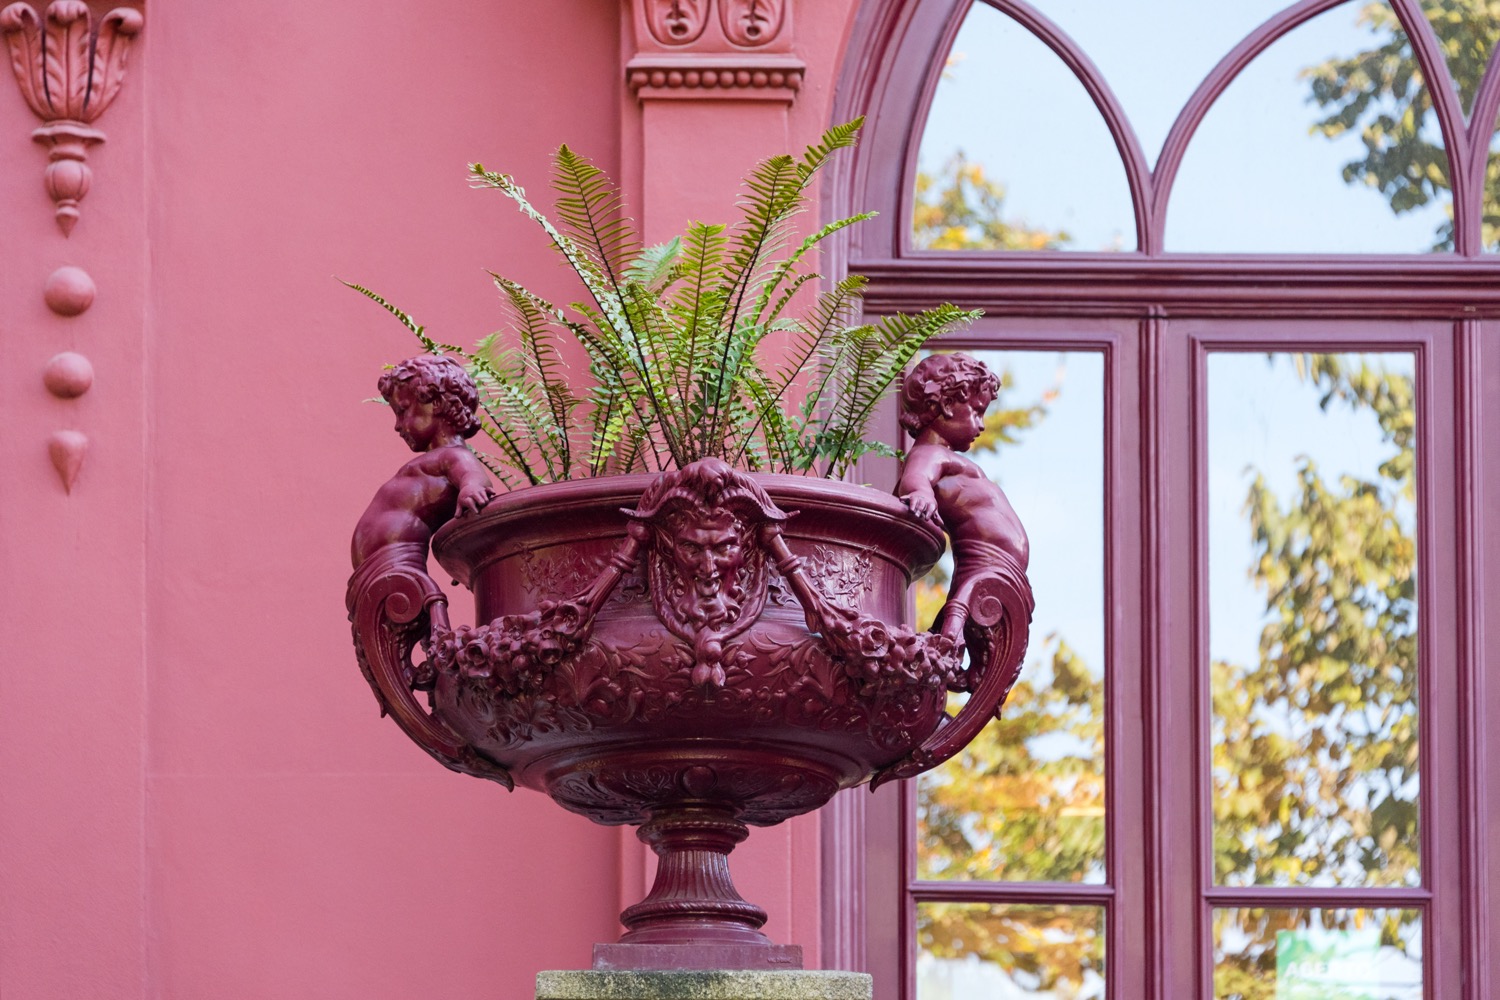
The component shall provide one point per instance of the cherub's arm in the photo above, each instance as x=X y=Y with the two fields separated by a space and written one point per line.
x=468 y=476
x=923 y=468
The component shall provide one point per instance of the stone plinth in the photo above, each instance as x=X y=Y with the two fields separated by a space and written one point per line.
x=718 y=984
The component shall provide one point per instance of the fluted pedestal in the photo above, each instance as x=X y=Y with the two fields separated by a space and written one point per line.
x=693 y=917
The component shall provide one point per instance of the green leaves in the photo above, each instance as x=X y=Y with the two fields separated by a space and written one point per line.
x=1380 y=94
x=1315 y=743
x=960 y=208
x=677 y=337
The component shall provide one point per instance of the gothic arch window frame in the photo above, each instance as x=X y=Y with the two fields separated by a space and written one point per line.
x=1156 y=316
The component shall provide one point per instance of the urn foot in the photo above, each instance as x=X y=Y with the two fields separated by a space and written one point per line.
x=693 y=900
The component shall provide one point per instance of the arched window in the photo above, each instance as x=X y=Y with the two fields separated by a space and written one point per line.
x=1237 y=266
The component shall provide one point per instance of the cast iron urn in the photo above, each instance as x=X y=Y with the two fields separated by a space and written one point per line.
x=693 y=651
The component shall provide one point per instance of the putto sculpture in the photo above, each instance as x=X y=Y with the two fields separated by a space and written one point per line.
x=942 y=406
x=691 y=638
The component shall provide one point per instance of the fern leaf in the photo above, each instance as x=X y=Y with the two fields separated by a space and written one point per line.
x=543 y=361
x=418 y=331
x=657 y=266
x=592 y=210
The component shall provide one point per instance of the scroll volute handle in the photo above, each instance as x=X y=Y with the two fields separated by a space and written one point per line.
x=392 y=610
x=997 y=631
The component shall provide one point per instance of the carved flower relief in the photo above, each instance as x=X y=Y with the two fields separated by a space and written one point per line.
x=677 y=22
x=571 y=573
x=752 y=22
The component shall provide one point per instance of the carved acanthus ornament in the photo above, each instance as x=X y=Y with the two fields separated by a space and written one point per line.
x=69 y=74
x=714 y=50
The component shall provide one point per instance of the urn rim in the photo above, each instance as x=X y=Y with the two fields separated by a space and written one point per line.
x=465 y=543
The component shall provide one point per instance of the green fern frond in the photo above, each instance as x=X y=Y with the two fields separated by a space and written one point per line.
x=418 y=331
x=657 y=266
x=592 y=210
x=542 y=360
x=676 y=337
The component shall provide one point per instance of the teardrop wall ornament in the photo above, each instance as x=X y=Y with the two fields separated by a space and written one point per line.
x=67 y=449
x=69 y=74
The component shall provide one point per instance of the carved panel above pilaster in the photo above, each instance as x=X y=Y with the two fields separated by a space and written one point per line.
x=738 y=50
x=70 y=67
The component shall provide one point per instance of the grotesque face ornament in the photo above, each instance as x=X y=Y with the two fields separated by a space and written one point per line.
x=706 y=566
x=706 y=552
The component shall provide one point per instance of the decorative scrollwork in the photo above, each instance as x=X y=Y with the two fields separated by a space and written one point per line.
x=774 y=788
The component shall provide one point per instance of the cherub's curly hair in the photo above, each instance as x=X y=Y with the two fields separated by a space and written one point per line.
x=937 y=383
x=439 y=380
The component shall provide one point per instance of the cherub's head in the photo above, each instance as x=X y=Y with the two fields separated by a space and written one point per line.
x=941 y=383
x=439 y=381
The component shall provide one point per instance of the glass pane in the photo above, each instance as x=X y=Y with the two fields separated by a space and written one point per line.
x=1307 y=151
x=968 y=951
x=1491 y=229
x=1025 y=800
x=1312 y=619
x=1466 y=31
x=1015 y=156
x=1286 y=954
x=1154 y=72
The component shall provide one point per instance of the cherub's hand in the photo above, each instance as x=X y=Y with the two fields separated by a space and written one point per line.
x=922 y=505
x=473 y=500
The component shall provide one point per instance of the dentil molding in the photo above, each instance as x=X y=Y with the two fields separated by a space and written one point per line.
x=739 y=50
x=69 y=73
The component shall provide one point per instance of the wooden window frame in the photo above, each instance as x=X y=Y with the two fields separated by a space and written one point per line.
x=1156 y=316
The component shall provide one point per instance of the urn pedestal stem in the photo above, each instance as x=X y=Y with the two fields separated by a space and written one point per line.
x=693 y=899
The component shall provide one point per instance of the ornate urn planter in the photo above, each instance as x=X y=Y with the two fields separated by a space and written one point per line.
x=689 y=652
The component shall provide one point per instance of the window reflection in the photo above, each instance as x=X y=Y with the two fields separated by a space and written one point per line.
x=1312 y=152
x=1313 y=619
x=1490 y=226
x=1010 y=951
x=1014 y=155
x=1292 y=954
x=1025 y=800
x=1466 y=30
x=1154 y=53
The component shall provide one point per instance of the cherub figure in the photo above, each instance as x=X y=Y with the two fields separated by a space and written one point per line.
x=942 y=405
x=434 y=401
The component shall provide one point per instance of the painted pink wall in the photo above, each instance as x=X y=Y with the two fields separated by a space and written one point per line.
x=196 y=795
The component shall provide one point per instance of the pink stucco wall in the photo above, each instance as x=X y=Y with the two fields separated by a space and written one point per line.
x=196 y=795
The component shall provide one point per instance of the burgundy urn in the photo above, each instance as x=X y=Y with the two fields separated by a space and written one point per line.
x=689 y=652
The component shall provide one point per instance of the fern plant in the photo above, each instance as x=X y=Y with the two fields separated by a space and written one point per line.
x=676 y=336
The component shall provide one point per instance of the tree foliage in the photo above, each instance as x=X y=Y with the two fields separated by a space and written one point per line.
x=961 y=208
x=1314 y=765
x=1315 y=768
x=1025 y=799
x=1380 y=95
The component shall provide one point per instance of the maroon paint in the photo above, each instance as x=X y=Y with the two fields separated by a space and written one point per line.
x=1471 y=645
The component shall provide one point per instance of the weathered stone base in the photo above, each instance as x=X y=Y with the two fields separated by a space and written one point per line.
x=751 y=984
x=621 y=957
